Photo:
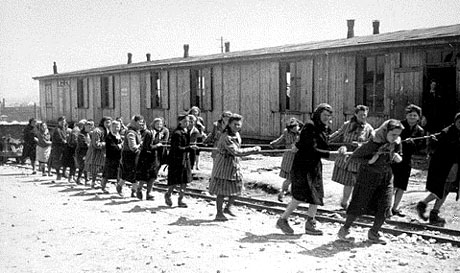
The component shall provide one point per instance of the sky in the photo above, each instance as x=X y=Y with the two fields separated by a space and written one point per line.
x=86 y=34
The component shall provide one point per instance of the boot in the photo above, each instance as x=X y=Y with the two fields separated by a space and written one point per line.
x=310 y=227
x=435 y=219
x=421 y=209
x=139 y=194
x=228 y=211
x=168 y=199
x=375 y=237
x=343 y=233
x=181 y=204
x=284 y=226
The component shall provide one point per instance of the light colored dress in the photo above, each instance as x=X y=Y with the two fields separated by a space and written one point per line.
x=287 y=138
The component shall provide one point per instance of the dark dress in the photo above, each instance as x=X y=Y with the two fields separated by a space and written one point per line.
x=30 y=144
x=401 y=171
x=130 y=155
x=179 y=170
x=112 y=156
x=306 y=172
x=83 y=142
x=373 y=191
x=68 y=159
x=149 y=161
x=58 y=145
x=446 y=154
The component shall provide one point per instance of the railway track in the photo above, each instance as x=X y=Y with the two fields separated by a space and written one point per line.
x=396 y=228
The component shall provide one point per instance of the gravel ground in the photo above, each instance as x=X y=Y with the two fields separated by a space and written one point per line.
x=48 y=226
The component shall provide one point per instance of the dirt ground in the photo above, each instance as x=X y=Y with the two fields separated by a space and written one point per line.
x=48 y=226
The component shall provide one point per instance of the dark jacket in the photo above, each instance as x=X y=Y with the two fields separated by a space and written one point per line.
x=446 y=153
x=306 y=172
x=179 y=171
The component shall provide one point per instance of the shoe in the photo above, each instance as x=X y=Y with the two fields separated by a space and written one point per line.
x=139 y=195
x=181 y=204
x=133 y=194
x=421 y=209
x=119 y=190
x=375 y=238
x=220 y=217
x=58 y=177
x=168 y=200
x=344 y=205
x=49 y=174
x=281 y=197
x=104 y=191
x=397 y=212
x=43 y=174
x=284 y=226
x=78 y=182
x=149 y=197
x=228 y=211
x=34 y=172
x=343 y=233
x=435 y=219
x=310 y=227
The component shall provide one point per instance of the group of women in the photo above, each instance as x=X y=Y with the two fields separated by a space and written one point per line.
x=377 y=169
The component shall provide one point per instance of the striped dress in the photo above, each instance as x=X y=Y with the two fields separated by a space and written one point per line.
x=95 y=157
x=226 y=177
x=287 y=138
x=344 y=171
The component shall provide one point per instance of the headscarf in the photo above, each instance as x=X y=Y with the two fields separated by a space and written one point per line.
x=316 y=117
x=380 y=134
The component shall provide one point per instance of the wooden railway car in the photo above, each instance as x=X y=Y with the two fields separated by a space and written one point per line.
x=267 y=86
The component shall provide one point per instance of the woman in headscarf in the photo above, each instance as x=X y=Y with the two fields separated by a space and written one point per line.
x=288 y=138
x=83 y=142
x=374 y=188
x=306 y=172
x=95 y=157
x=353 y=132
x=443 y=175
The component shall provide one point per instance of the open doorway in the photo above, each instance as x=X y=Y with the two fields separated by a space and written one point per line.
x=439 y=97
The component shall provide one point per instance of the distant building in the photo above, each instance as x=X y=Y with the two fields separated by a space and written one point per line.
x=18 y=113
x=267 y=86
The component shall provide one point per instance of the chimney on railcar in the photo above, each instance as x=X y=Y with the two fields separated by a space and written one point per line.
x=130 y=58
x=376 y=26
x=186 y=47
x=227 y=46
x=54 y=68
x=351 y=25
x=148 y=57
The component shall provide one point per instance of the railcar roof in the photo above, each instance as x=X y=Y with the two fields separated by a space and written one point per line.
x=398 y=38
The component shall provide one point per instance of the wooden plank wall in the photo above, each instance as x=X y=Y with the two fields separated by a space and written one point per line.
x=250 y=77
x=125 y=97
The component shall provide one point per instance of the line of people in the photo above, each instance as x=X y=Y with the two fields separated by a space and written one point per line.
x=374 y=176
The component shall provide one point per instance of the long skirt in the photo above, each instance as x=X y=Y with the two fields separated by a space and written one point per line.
x=147 y=167
x=43 y=154
x=372 y=193
x=128 y=166
x=55 y=160
x=179 y=171
x=401 y=174
x=111 y=168
x=344 y=172
x=68 y=159
x=219 y=186
x=286 y=164
x=307 y=183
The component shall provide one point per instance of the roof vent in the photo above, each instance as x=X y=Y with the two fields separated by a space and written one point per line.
x=227 y=46
x=130 y=58
x=54 y=68
x=148 y=57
